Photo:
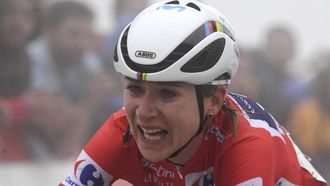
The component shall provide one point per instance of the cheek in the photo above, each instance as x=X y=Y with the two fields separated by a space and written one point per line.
x=190 y=120
x=129 y=107
x=183 y=131
x=129 y=102
x=185 y=120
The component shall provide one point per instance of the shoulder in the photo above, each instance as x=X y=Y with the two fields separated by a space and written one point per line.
x=252 y=111
x=106 y=147
x=112 y=129
x=252 y=119
x=254 y=126
x=108 y=139
x=118 y=119
x=104 y=158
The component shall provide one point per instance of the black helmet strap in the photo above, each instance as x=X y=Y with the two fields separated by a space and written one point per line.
x=202 y=120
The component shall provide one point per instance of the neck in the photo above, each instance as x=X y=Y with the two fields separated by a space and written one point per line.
x=187 y=153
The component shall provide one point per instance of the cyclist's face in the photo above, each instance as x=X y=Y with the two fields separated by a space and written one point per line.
x=162 y=116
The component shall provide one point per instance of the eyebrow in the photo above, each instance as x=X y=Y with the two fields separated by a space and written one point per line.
x=173 y=84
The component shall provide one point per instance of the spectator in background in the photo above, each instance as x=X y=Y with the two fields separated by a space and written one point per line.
x=65 y=81
x=245 y=81
x=279 y=91
x=124 y=12
x=310 y=121
x=18 y=24
x=310 y=69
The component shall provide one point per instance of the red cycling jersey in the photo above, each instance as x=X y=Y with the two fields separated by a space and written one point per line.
x=260 y=153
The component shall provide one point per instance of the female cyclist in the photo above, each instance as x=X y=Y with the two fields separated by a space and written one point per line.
x=179 y=126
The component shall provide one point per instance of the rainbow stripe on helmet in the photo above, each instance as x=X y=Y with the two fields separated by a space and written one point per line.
x=142 y=76
x=212 y=26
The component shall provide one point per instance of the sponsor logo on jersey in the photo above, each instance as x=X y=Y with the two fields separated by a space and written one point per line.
x=87 y=173
x=178 y=8
x=70 y=181
x=159 y=175
x=145 y=54
x=214 y=130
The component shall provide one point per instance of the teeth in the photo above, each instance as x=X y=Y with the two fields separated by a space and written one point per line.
x=152 y=138
x=153 y=134
x=150 y=131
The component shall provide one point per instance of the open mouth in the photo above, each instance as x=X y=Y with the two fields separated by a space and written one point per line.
x=153 y=134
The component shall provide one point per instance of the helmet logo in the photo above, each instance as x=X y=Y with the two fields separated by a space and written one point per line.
x=145 y=54
x=171 y=7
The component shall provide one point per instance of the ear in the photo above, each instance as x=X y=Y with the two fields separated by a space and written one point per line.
x=213 y=104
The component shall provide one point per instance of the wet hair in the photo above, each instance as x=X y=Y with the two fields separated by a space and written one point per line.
x=61 y=10
x=210 y=90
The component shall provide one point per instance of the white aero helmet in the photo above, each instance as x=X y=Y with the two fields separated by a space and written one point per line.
x=178 y=41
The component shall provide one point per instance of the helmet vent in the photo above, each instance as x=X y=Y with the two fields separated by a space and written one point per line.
x=172 y=2
x=115 y=54
x=223 y=76
x=194 y=6
x=228 y=33
x=206 y=58
x=212 y=52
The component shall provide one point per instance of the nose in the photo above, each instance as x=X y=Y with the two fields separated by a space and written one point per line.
x=147 y=108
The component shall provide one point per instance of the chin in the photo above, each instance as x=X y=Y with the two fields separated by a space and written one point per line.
x=154 y=157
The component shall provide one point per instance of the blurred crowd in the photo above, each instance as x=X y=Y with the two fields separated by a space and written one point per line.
x=296 y=93
x=58 y=85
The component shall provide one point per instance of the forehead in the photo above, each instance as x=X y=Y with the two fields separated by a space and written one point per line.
x=173 y=84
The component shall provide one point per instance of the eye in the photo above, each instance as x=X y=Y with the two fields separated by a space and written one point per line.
x=167 y=94
x=134 y=89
